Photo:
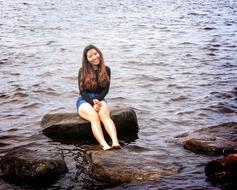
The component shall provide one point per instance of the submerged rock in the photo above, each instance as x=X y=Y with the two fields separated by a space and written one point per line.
x=69 y=125
x=222 y=170
x=25 y=166
x=123 y=166
x=218 y=139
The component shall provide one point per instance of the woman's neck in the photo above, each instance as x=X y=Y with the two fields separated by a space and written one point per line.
x=95 y=67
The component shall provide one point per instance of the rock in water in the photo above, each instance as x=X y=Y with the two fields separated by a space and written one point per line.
x=68 y=125
x=222 y=170
x=25 y=166
x=122 y=166
x=218 y=139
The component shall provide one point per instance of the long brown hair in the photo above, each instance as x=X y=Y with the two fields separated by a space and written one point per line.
x=88 y=76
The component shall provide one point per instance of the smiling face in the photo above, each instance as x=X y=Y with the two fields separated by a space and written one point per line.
x=93 y=57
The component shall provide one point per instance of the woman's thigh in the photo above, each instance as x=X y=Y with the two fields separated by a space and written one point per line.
x=86 y=111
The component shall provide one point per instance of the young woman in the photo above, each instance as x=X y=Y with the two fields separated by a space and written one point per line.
x=94 y=82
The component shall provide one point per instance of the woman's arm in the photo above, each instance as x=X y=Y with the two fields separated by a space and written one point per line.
x=105 y=91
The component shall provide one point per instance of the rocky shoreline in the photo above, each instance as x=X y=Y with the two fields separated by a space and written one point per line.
x=220 y=140
x=27 y=165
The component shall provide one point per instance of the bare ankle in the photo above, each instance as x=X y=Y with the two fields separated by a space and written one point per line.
x=106 y=147
x=115 y=144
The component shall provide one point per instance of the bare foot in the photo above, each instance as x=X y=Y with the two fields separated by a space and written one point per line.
x=107 y=148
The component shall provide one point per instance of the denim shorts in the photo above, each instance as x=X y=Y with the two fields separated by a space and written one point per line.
x=81 y=100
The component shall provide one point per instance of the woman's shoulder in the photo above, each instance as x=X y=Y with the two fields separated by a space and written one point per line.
x=108 y=71
x=107 y=68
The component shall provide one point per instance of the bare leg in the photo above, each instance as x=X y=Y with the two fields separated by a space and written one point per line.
x=104 y=115
x=87 y=112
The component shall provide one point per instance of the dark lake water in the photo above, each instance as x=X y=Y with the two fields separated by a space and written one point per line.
x=173 y=61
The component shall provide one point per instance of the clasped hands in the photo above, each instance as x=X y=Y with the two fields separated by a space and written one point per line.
x=97 y=105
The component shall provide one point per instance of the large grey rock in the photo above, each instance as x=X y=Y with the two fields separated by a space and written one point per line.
x=218 y=139
x=222 y=170
x=26 y=166
x=68 y=125
x=124 y=166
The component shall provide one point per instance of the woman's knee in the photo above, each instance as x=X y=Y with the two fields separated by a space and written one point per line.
x=104 y=111
x=94 y=117
x=103 y=115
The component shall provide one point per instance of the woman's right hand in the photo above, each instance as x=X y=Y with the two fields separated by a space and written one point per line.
x=97 y=105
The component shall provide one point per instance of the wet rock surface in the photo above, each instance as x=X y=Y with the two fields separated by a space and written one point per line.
x=222 y=170
x=124 y=166
x=22 y=165
x=70 y=125
x=218 y=139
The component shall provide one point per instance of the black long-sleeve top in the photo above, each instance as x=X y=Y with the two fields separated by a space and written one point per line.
x=100 y=92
